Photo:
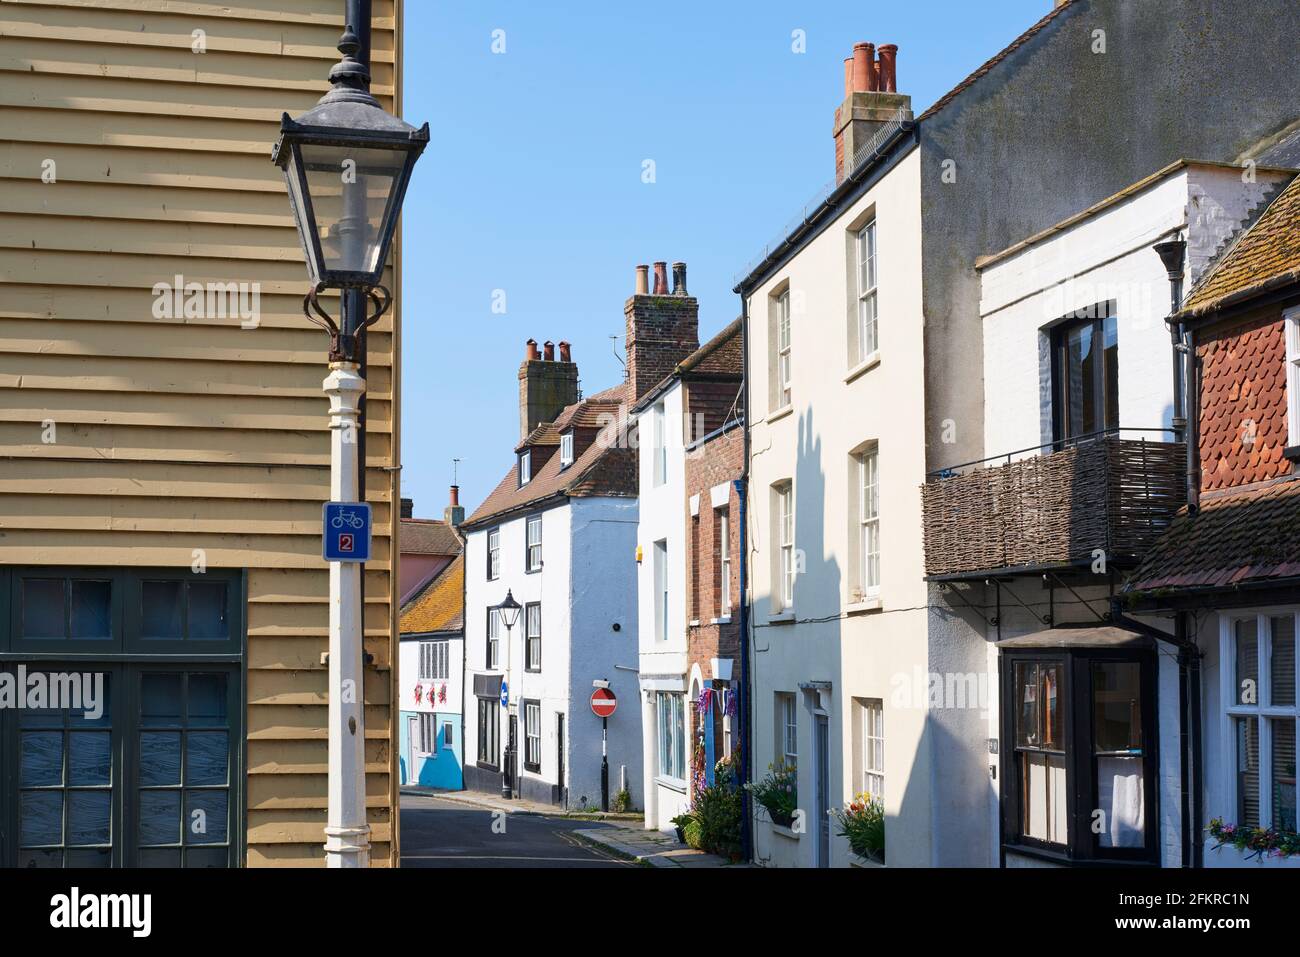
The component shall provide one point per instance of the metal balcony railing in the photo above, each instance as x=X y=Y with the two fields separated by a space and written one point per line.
x=1059 y=504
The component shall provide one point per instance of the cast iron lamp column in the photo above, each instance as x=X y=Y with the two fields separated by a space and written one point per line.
x=508 y=611
x=347 y=164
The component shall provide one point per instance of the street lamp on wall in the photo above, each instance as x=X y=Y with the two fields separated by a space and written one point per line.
x=508 y=611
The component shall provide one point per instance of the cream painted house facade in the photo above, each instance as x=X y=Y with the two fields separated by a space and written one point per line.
x=167 y=453
x=837 y=591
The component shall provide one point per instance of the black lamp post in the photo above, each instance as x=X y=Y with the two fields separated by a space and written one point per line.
x=508 y=611
x=347 y=164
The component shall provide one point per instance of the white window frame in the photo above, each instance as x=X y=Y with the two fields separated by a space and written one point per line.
x=868 y=332
x=787 y=723
x=427 y=733
x=670 y=735
x=525 y=467
x=871 y=712
x=1264 y=711
x=724 y=562
x=785 y=541
x=533 y=733
x=784 y=393
x=494 y=553
x=566 y=449
x=533 y=543
x=1292 y=320
x=661 y=589
x=434 y=659
x=493 y=661
x=869 y=522
x=533 y=636
x=660 y=461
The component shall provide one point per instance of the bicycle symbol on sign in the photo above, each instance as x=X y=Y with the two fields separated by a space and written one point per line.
x=351 y=519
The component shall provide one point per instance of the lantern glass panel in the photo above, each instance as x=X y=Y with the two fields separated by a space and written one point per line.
x=350 y=189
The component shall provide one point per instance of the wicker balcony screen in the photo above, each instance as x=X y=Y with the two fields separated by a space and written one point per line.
x=1113 y=494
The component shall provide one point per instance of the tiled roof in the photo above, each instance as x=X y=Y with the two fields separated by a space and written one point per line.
x=1016 y=44
x=1265 y=256
x=723 y=355
x=427 y=536
x=1243 y=427
x=1236 y=538
x=603 y=468
x=439 y=605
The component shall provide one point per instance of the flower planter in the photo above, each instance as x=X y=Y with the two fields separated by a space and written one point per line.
x=857 y=860
x=783 y=831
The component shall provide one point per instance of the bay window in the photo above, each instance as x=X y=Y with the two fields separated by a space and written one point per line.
x=1079 y=751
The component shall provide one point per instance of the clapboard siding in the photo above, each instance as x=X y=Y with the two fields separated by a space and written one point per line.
x=188 y=433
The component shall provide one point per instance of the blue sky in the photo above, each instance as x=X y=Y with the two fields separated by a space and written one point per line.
x=532 y=182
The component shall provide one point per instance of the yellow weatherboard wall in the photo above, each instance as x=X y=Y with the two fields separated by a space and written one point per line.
x=135 y=140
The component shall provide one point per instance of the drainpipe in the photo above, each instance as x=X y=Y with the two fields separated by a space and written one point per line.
x=1173 y=253
x=742 y=491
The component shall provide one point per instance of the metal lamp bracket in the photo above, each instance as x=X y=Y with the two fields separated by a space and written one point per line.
x=344 y=345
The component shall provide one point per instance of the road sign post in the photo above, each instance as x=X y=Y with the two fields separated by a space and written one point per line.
x=603 y=704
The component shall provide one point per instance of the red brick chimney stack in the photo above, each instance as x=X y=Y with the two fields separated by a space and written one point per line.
x=662 y=329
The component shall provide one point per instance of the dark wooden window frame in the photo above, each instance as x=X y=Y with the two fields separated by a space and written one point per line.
x=1094 y=316
x=124 y=658
x=493 y=706
x=1083 y=846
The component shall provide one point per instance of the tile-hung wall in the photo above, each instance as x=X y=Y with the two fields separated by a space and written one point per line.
x=165 y=468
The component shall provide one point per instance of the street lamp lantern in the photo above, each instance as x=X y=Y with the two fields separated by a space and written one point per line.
x=347 y=164
x=509 y=611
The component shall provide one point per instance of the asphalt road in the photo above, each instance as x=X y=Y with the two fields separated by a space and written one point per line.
x=439 y=833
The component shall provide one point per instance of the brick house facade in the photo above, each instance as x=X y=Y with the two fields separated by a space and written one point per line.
x=713 y=631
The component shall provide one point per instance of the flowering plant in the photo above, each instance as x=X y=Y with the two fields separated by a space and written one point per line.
x=778 y=792
x=1260 y=841
x=862 y=821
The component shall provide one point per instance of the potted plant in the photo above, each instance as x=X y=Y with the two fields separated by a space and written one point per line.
x=778 y=792
x=862 y=821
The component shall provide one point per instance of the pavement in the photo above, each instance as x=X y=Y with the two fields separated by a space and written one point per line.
x=649 y=848
x=476 y=829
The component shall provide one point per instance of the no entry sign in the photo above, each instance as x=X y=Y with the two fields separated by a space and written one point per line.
x=603 y=702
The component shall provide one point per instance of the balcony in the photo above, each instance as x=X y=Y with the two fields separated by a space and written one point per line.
x=1039 y=509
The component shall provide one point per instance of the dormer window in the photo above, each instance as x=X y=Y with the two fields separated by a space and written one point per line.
x=566 y=450
x=525 y=466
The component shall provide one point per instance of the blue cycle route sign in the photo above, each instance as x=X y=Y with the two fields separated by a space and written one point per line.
x=347 y=532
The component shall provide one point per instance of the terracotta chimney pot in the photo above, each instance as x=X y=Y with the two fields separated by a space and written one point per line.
x=889 y=67
x=661 y=279
x=642 y=280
